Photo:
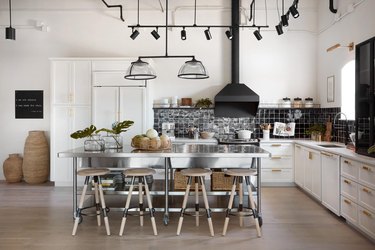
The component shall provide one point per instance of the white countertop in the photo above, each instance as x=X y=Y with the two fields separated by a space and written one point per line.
x=342 y=151
x=178 y=140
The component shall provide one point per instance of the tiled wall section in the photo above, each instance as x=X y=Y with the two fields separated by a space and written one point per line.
x=204 y=119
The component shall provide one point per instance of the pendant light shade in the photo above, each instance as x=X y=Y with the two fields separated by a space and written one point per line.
x=140 y=70
x=193 y=69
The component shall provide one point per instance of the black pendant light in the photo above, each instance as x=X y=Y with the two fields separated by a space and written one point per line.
x=140 y=70
x=193 y=69
x=10 y=33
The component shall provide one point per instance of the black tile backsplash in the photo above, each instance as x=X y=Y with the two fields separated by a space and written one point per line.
x=204 y=119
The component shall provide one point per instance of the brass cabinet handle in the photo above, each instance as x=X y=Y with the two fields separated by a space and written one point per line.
x=347 y=162
x=366 y=213
x=310 y=155
x=366 y=190
x=366 y=168
x=276 y=170
x=347 y=202
x=329 y=155
x=347 y=182
x=275 y=145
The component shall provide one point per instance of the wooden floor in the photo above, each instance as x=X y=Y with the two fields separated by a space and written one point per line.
x=40 y=217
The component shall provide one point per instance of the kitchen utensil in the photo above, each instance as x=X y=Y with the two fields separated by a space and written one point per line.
x=244 y=134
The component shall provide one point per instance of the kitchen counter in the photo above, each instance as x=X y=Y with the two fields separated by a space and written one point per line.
x=180 y=140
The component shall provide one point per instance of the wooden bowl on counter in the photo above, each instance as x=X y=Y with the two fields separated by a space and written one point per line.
x=207 y=134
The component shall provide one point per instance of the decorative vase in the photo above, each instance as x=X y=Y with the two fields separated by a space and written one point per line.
x=112 y=141
x=266 y=135
x=95 y=143
x=12 y=168
x=36 y=158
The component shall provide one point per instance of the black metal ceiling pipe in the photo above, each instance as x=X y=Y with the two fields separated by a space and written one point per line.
x=331 y=8
x=235 y=41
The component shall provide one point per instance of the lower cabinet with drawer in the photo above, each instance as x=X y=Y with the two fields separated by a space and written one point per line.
x=278 y=170
x=358 y=195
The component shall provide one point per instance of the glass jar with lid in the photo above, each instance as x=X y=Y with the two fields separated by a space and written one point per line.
x=297 y=102
x=309 y=102
x=286 y=103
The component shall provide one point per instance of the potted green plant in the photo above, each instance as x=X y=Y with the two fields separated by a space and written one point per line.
x=316 y=131
x=203 y=103
x=93 y=143
x=113 y=138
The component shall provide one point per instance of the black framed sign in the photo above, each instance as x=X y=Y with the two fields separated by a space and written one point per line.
x=29 y=104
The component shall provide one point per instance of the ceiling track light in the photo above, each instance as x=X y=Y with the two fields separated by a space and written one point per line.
x=293 y=9
x=134 y=34
x=229 y=34
x=10 y=32
x=208 y=34
x=183 y=34
x=279 y=29
x=257 y=34
x=155 y=34
x=285 y=17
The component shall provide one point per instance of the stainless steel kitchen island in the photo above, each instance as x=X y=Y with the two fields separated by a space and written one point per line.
x=179 y=156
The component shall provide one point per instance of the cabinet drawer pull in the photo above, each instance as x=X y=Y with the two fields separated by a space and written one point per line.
x=310 y=155
x=275 y=145
x=366 y=213
x=366 y=190
x=276 y=170
x=329 y=155
x=347 y=202
x=347 y=162
x=276 y=157
x=347 y=182
x=366 y=168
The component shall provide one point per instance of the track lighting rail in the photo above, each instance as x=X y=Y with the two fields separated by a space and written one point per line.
x=115 y=6
x=196 y=26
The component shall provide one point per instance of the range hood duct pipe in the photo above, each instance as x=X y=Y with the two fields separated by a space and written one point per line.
x=236 y=99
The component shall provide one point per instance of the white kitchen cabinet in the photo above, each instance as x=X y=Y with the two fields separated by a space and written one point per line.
x=358 y=195
x=331 y=181
x=70 y=82
x=66 y=120
x=114 y=104
x=279 y=169
x=308 y=170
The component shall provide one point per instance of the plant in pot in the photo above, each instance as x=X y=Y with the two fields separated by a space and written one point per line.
x=113 y=138
x=203 y=103
x=93 y=143
x=316 y=131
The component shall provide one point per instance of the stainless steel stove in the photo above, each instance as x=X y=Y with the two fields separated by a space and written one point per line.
x=240 y=141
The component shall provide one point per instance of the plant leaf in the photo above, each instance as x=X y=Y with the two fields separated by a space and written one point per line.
x=87 y=132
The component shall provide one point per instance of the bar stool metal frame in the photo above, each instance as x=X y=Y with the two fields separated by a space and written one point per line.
x=199 y=174
x=141 y=174
x=95 y=174
x=238 y=175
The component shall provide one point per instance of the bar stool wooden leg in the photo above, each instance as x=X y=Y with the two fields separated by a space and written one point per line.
x=105 y=216
x=140 y=192
x=252 y=205
x=196 y=201
x=152 y=210
x=208 y=210
x=240 y=203
x=184 y=202
x=80 y=206
x=97 y=202
x=127 y=204
x=230 y=204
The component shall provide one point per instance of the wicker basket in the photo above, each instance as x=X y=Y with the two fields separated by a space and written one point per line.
x=180 y=181
x=221 y=182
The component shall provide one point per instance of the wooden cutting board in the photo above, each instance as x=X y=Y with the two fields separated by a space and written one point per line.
x=327 y=135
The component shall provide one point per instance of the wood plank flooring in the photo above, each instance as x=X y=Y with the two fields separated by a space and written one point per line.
x=40 y=217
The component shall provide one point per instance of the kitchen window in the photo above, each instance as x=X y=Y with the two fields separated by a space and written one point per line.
x=348 y=90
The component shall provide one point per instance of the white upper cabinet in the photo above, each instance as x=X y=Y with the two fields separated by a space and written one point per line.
x=71 y=82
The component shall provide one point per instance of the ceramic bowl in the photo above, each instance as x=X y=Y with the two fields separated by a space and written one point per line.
x=207 y=135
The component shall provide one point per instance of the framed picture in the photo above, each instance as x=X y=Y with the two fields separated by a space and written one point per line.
x=29 y=104
x=331 y=89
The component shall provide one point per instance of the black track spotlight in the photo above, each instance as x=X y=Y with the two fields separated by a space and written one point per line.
x=293 y=10
x=284 y=19
x=155 y=34
x=229 y=34
x=10 y=32
x=134 y=34
x=208 y=34
x=279 y=29
x=257 y=34
x=183 y=34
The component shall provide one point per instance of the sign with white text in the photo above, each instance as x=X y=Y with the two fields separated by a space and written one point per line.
x=29 y=104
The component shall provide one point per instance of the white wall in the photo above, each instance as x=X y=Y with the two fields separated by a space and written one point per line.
x=275 y=67
x=355 y=26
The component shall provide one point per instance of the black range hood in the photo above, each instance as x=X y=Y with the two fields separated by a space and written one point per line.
x=236 y=99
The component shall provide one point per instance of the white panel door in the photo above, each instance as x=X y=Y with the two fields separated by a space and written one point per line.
x=299 y=165
x=106 y=106
x=331 y=182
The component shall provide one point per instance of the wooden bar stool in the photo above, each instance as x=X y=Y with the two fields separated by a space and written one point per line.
x=238 y=175
x=199 y=174
x=95 y=174
x=141 y=174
